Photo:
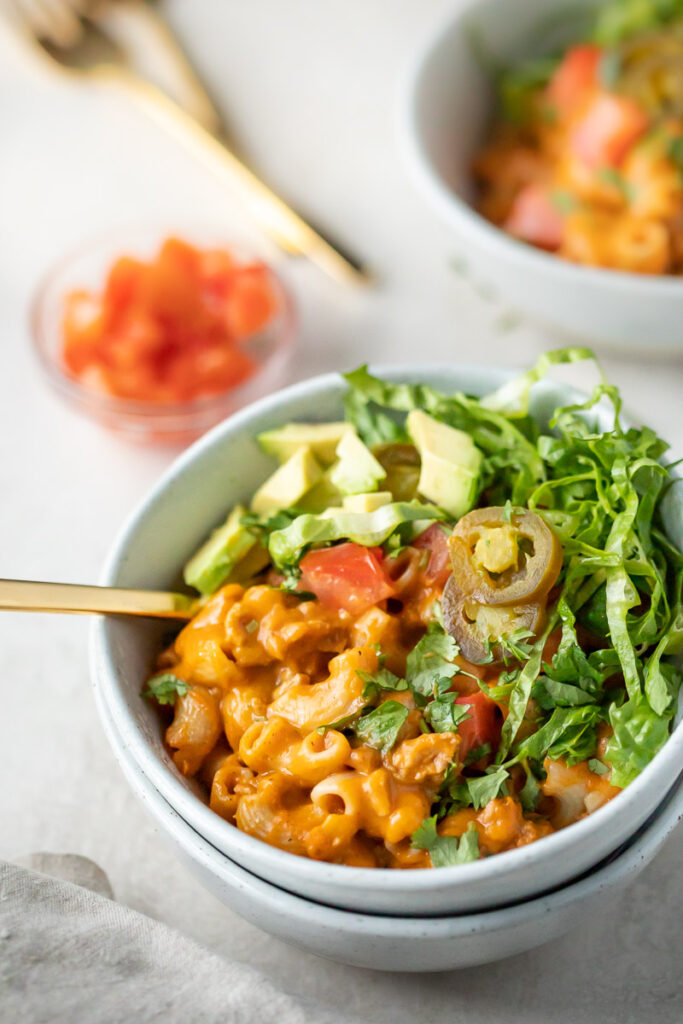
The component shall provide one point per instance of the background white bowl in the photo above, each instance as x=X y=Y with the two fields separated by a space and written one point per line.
x=396 y=943
x=223 y=468
x=445 y=115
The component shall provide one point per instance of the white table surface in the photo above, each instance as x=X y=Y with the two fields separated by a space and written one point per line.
x=310 y=89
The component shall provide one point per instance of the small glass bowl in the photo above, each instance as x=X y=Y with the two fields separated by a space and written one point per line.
x=173 y=422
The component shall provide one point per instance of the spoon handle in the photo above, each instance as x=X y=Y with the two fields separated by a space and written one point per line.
x=27 y=596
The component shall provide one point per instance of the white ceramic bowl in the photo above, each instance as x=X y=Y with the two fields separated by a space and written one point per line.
x=223 y=468
x=445 y=111
x=396 y=943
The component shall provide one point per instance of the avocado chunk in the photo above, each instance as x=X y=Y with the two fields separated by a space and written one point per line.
x=449 y=474
x=254 y=562
x=288 y=484
x=322 y=495
x=367 y=502
x=321 y=438
x=211 y=566
x=357 y=470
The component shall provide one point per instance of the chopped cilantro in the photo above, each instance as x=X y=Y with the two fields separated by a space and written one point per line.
x=530 y=793
x=477 y=753
x=165 y=687
x=430 y=667
x=563 y=201
x=383 y=679
x=486 y=787
x=612 y=177
x=380 y=728
x=446 y=851
x=609 y=68
x=597 y=767
x=444 y=715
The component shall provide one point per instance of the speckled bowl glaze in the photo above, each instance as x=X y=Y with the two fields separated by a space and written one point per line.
x=383 y=943
x=223 y=468
x=445 y=110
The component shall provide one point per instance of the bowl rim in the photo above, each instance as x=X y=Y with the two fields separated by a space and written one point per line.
x=106 y=684
x=493 y=240
x=69 y=385
x=605 y=876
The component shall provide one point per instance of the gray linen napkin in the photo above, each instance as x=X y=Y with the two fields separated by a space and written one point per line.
x=69 y=953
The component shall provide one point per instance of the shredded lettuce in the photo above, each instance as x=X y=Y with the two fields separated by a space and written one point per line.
x=601 y=490
x=639 y=733
x=369 y=528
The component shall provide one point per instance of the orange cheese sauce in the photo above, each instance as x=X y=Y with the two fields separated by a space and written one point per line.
x=265 y=671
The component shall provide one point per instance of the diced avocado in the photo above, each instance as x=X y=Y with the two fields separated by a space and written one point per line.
x=449 y=474
x=357 y=470
x=496 y=549
x=321 y=438
x=218 y=556
x=251 y=565
x=288 y=484
x=322 y=495
x=367 y=502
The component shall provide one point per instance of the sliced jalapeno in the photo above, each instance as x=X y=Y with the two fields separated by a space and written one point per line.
x=498 y=562
x=478 y=628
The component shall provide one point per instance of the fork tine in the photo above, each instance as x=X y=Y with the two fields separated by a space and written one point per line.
x=54 y=20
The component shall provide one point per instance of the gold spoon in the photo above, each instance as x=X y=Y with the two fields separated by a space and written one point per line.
x=73 y=598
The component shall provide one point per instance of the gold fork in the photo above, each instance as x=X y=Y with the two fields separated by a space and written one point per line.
x=28 y=596
x=89 y=50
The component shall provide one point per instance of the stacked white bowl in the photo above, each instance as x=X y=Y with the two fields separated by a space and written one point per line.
x=390 y=920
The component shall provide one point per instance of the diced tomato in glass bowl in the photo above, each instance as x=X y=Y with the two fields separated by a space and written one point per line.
x=159 y=338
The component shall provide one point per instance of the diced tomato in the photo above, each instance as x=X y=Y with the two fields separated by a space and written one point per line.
x=168 y=330
x=250 y=302
x=483 y=725
x=347 y=576
x=434 y=540
x=123 y=283
x=534 y=219
x=575 y=77
x=607 y=130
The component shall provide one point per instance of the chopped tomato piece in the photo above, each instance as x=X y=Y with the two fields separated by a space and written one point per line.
x=534 y=219
x=483 y=725
x=574 y=78
x=347 y=576
x=169 y=330
x=607 y=130
x=435 y=540
x=123 y=283
x=250 y=302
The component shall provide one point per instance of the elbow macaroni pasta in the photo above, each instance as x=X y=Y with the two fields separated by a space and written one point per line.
x=265 y=672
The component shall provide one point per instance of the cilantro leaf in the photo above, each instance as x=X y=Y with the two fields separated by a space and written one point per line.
x=378 y=681
x=446 y=851
x=430 y=667
x=444 y=715
x=380 y=728
x=165 y=687
x=477 y=753
x=487 y=787
x=530 y=793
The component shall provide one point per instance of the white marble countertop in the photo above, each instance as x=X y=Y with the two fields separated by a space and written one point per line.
x=310 y=90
